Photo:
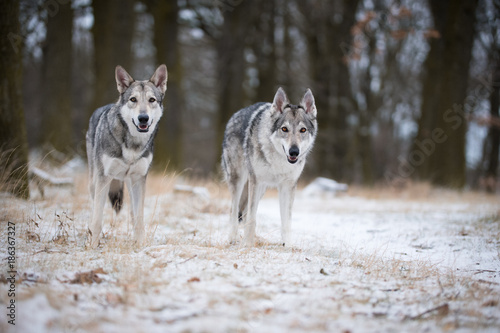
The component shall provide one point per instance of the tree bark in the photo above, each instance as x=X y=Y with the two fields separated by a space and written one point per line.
x=169 y=141
x=113 y=30
x=231 y=67
x=438 y=152
x=326 y=42
x=13 y=141
x=493 y=137
x=265 y=50
x=55 y=108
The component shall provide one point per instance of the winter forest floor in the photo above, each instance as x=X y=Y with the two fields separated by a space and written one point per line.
x=370 y=260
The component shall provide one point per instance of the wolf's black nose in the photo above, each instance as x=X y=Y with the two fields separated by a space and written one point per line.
x=294 y=151
x=143 y=118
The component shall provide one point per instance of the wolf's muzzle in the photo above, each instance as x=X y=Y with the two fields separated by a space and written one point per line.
x=293 y=154
x=143 y=125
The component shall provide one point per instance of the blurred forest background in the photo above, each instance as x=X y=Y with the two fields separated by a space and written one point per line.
x=405 y=89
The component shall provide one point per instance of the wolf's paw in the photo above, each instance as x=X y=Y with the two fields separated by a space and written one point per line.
x=92 y=241
x=139 y=239
x=286 y=240
x=233 y=237
x=249 y=243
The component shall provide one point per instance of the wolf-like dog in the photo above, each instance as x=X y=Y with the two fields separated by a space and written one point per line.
x=120 y=148
x=266 y=145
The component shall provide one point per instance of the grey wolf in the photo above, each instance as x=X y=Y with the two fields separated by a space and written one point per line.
x=266 y=145
x=120 y=148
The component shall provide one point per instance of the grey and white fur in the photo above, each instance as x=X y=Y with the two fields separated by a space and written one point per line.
x=266 y=145
x=120 y=148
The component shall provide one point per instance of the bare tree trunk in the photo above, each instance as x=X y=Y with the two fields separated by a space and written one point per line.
x=326 y=39
x=286 y=75
x=56 y=103
x=113 y=29
x=493 y=138
x=13 y=141
x=265 y=49
x=231 y=67
x=366 y=118
x=438 y=153
x=169 y=141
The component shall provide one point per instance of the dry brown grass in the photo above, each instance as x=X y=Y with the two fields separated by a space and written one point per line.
x=186 y=259
x=422 y=191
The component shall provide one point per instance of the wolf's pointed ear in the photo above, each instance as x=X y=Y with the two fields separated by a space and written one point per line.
x=308 y=103
x=160 y=77
x=280 y=100
x=123 y=79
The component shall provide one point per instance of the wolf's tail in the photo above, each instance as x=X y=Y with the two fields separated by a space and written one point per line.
x=116 y=195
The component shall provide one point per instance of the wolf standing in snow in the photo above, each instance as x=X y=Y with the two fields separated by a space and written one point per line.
x=120 y=148
x=266 y=145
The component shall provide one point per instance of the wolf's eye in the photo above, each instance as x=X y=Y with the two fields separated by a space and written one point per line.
x=152 y=100
x=133 y=99
x=284 y=129
x=303 y=130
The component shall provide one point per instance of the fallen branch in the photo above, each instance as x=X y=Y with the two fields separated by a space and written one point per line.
x=488 y=282
x=42 y=178
x=479 y=271
x=46 y=250
x=185 y=261
x=441 y=310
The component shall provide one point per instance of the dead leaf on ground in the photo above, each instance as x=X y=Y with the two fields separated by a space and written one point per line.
x=88 y=277
x=491 y=302
x=32 y=236
x=60 y=239
x=114 y=299
x=194 y=279
x=30 y=277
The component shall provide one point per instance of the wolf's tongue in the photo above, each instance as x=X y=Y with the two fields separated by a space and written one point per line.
x=143 y=126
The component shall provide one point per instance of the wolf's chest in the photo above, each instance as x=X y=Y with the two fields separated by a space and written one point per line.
x=131 y=163
x=275 y=171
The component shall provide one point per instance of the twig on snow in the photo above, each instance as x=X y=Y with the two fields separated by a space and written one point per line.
x=441 y=310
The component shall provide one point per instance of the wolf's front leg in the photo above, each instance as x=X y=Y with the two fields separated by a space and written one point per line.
x=101 y=189
x=236 y=183
x=286 y=197
x=137 y=187
x=236 y=187
x=255 y=192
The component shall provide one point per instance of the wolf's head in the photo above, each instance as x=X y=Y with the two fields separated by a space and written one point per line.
x=295 y=126
x=141 y=101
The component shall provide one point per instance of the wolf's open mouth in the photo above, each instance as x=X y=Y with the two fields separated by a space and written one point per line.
x=291 y=159
x=143 y=128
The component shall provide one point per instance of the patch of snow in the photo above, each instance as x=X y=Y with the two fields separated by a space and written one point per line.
x=201 y=192
x=355 y=264
x=42 y=315
x=322 y=186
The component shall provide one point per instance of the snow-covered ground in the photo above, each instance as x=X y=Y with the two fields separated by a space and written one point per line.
x=359 y=262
